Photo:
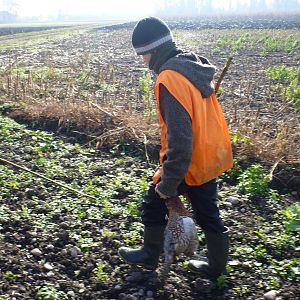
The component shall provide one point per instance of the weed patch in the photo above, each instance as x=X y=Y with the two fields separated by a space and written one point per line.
x=287 y=82
x=254 y=181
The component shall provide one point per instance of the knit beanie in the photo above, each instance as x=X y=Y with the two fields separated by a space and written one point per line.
x=149 y=34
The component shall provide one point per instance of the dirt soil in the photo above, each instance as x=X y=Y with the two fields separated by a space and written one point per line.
x=52 y=236
x=55 y=244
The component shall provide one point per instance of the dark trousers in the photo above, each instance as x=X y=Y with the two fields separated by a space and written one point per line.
x=203 y=199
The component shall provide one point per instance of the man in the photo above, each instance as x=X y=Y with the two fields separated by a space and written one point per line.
x=195 y=147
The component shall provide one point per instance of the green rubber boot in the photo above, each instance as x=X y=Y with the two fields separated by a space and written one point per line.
x=217 y=248
x=148 y=255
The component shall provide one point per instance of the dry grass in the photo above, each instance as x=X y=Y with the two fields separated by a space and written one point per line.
x=91 y=124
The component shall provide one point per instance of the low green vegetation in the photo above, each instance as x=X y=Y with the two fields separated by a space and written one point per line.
x=230 y=42
x=84 y=233
x=291 y=217
x=146 y=88
x=233 y=42
x=266 y=252
x=38 y=73
x=254 y=181
x=232 y=175
x=273 y=43
x=287 y=80
x=118 y=183
x=101 y=276
x=33 y=39
x=49 y=292
x=47 y=154
x=222 y=282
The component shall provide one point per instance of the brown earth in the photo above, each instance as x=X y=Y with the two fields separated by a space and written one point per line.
x=90 y=92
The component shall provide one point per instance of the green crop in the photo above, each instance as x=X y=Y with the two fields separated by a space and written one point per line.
x=287 y=81
x=254 y=181
x=49 y=292
x=100 y=274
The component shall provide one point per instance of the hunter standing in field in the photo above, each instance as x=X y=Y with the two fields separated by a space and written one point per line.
x=195 y=147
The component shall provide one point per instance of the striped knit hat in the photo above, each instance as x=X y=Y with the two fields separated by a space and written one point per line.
x=149 y=34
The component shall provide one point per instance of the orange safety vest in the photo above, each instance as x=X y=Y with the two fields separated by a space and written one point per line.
x=211 y=149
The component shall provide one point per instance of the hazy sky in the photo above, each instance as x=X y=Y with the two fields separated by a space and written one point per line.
x=95 y=7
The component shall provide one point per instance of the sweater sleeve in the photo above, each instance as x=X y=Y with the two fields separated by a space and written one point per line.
x=179 y=140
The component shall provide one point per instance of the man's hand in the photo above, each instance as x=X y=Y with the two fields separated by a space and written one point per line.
x=161 y=195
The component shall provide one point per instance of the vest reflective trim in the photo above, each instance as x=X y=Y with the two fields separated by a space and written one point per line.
x=212 y=153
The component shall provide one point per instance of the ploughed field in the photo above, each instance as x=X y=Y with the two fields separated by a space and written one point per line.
x=87 y=86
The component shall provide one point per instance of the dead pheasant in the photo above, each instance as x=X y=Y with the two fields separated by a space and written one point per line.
x=180 y=234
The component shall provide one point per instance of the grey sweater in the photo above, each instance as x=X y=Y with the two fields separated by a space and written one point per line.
x=200 y=72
